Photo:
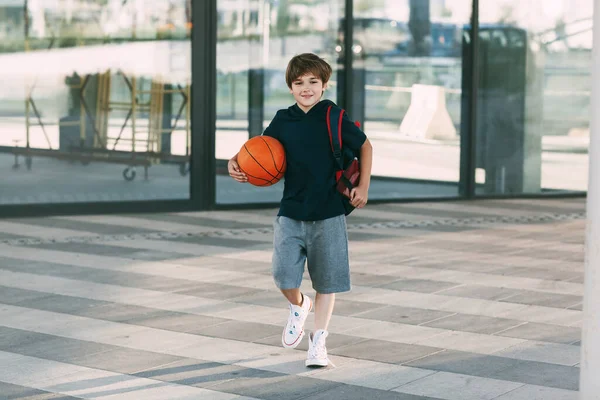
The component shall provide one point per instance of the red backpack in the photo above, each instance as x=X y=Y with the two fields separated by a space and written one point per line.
x=348 y=174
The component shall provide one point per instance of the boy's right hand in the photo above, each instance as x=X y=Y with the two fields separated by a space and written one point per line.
x=235 y=172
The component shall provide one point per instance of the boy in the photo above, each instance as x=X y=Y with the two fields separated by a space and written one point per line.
x=311 y=223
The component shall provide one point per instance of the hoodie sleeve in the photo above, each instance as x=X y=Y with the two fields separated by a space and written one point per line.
x=272 y=129
x=352 y=136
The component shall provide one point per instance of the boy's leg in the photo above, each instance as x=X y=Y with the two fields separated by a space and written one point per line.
x=289 y=256
x=327 y=251
x=323 y=310
x=299 y=310
x=294 y=296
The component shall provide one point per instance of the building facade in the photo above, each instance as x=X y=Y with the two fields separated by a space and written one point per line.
x=123 y=106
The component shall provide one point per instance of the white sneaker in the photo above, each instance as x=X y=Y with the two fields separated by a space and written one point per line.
x=317 y=352
x=294 y=330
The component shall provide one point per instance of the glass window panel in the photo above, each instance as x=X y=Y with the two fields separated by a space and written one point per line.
x=408 y=71
x=534 y=96
x=256 y=39
x=95 y=100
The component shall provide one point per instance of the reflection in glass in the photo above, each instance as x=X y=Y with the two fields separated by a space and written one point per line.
x=95 y=100
x=534 y=99
x=408 y=84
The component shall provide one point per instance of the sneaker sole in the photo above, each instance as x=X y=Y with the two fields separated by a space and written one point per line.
x=316 y=363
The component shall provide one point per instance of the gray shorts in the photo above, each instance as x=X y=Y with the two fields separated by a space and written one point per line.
x=323 y=245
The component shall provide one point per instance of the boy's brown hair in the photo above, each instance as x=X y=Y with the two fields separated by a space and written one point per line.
x=305 y=63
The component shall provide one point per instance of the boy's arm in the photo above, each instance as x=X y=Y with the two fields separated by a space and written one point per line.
x=359 y=195
x=366 y=162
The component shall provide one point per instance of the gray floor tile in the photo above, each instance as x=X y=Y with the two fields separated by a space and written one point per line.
x=388 y=352
x=481 y=292
x=240 y=330
x=464 y=363
x=542 y=374
x=544 y=333
x=59 y=348
x=201 y=373
x=258 y=267
x=357 y=219
x=234 y=243
x=16 y=392
x=177 y=322
x=106 y=249
x=269 y=386
x=100 y=229
x=473 y=323
x=404 y=315
x=528 y=372
x=171 y=372
x=267 y=299
x=532 y=392
x=224 y=374
x=447 y=228
x=454 y=245
x=537 y=273
x=99 y=275
x=357 y=236
x=555 y=353
x=200 y=221
x=419 y=285
x=370 y=280
x=61 y=304
x=351 y=392
x=350 y=308
x=82 y=353
x=333 y=341
x=123 y=313
x=125 y=361
x=218 y=291
x=548 y=254
x=544 y=299
x=13 y=338
x=7 y=236
x=534 y=206
x=578 y=279
x=463 y=387
x=426 y=212
x=9 y=295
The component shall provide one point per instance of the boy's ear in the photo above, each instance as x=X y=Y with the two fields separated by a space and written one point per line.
x=325 y=85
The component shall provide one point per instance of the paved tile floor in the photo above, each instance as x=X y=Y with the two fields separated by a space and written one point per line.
x=455 y=301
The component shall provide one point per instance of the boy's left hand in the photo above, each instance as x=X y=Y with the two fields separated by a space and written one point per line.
x=358 y=196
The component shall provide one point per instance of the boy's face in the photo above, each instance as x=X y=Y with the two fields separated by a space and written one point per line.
x=307 y=91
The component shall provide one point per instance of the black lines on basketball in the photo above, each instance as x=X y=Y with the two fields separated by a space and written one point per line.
x=258 y=163
x=268 y=182
x=273 y=157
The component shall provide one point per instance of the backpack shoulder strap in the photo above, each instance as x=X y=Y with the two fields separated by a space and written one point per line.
x=334 y=128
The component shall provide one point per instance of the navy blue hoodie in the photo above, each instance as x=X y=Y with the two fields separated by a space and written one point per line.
x=309 y=192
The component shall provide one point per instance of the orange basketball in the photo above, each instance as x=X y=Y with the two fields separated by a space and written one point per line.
x=262 y=159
